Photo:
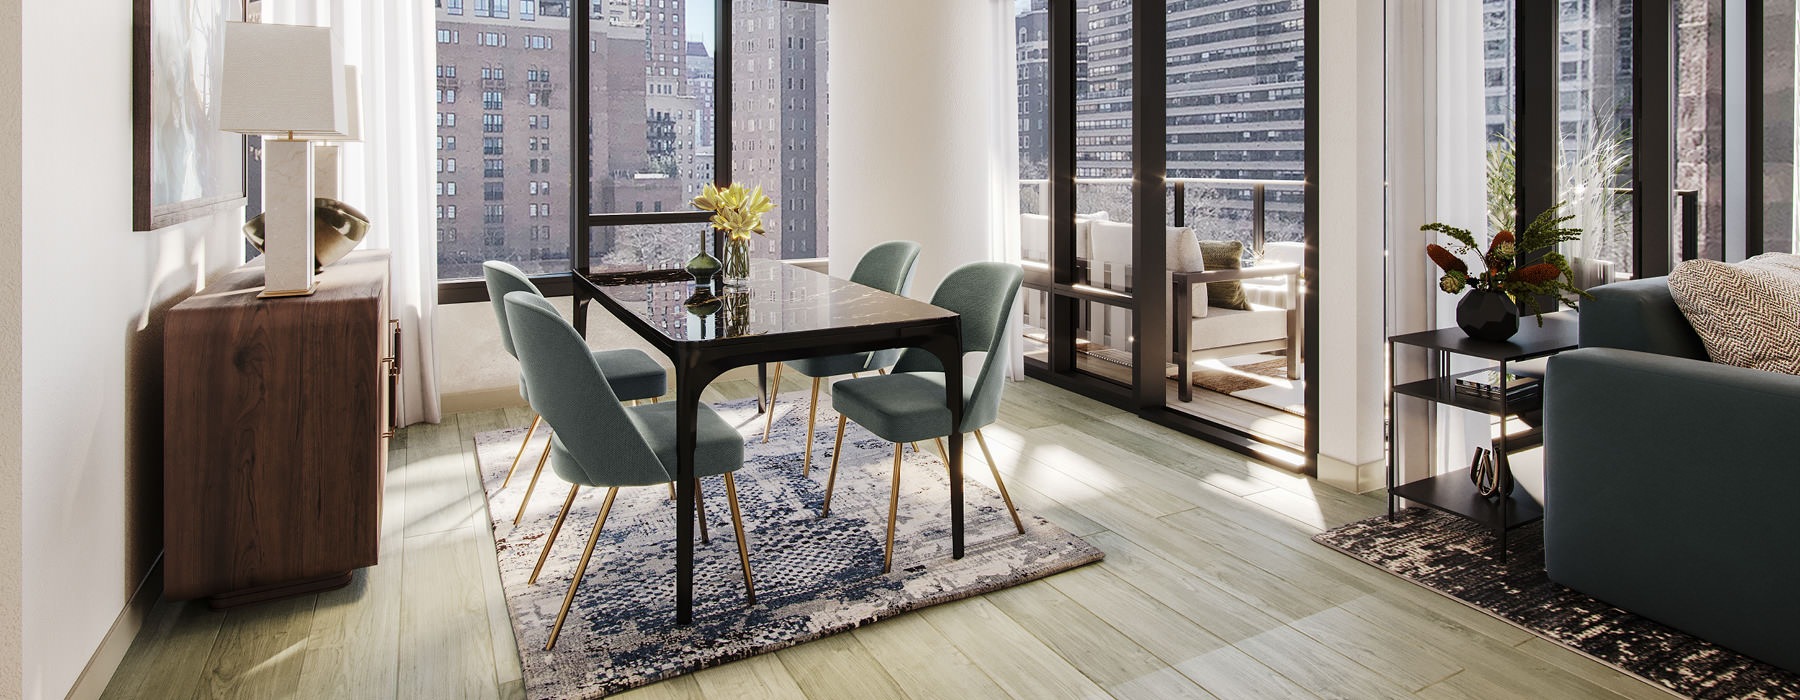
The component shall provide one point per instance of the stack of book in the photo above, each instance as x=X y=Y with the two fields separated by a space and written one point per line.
x=1490 y=385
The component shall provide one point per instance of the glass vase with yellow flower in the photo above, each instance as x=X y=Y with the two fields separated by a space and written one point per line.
x=738 y=212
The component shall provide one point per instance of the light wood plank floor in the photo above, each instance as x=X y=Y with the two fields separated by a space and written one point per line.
x=1210 y=588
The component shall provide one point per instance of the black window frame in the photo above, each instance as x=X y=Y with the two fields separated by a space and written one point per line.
x=581 y=222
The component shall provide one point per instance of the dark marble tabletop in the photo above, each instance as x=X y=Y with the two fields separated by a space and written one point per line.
x=780 y=299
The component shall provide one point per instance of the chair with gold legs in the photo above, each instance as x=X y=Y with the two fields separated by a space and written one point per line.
x=887 y=267
x=907 y=405
x=600 y=442
x=631 y=373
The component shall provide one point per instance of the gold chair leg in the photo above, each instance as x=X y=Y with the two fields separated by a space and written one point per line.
x=887 y=558
x=554 y=530
x=737 y=523
x=774 y=391
x=535 y=420
x=700 y=511
x=656 y=399
x=671 y=490
x=532 y=486
x=581 y=569
x=812 y=417
x=995 y=468
x=836 y=449
x=945 y=454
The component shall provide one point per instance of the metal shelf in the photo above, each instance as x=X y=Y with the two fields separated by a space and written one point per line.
x=1454 y=493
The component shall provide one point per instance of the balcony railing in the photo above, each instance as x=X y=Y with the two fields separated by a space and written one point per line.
x=1259 y=198
x=1688 y=202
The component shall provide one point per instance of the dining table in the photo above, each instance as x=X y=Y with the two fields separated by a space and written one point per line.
x=781 y=312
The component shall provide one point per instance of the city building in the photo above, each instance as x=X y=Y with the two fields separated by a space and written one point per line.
x=778 y=121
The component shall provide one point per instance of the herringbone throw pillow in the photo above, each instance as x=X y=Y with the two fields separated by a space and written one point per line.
x=1747 y=314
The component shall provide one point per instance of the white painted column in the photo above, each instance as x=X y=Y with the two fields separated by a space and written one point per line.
x=1352 y=372
x=912 y=95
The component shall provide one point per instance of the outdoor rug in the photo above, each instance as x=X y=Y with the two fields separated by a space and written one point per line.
x=1262 y=381
x=1457 y=558
x=814 y=577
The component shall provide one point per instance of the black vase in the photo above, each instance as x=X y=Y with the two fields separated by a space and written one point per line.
x=1488 y=315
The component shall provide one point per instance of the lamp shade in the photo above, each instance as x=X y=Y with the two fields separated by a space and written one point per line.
x=283 y=79
x=352 y=106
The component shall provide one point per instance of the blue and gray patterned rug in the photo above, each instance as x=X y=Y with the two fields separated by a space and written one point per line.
x=814 y=577
x=1457 y=558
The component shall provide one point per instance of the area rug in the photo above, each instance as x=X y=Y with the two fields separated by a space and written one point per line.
x=814 y=577
x=1262 y=381
x=1457 y=558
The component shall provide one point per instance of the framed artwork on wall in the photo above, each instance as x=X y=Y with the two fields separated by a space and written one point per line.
x=183 y=166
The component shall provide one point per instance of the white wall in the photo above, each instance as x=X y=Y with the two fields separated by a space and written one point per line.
x=11 y=375
x=95 y=293
x=474 y=371
x=1351 y=241
x=910 y=144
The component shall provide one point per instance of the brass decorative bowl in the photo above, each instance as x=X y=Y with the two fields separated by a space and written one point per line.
x=337 y=229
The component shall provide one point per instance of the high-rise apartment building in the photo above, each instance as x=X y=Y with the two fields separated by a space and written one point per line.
x=1235 y=92
x=503 y=151
x=778 y=120
x=1033 y=51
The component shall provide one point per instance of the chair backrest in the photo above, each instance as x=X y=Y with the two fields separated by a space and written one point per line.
x=567 y=387
x=982 y=294
x=503 y=279
x=887 y=267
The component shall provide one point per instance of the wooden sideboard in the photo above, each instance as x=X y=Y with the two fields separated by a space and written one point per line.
x=276 y=422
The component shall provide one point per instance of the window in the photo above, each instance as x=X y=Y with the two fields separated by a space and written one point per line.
x=654 y=148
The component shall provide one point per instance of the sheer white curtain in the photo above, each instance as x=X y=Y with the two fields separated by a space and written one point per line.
x=389 y=175
x=1003 y=172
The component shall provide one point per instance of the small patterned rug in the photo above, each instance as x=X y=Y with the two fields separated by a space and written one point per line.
x=814 y=577
x=1457 y=558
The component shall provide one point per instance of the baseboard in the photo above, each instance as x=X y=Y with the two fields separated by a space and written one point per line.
x=106 y=659
x=508 y=396
x=1355 y=478
x=480 y=400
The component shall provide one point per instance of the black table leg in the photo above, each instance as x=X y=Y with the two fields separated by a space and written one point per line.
x=690 y=379
x=762 y=385
x=948 y=350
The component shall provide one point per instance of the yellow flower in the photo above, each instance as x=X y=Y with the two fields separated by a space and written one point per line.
x=736 y=209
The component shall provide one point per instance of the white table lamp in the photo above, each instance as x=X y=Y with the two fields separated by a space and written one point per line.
x=286 y=83
x=326 y=178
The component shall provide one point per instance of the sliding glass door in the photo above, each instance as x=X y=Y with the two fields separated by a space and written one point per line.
x=1163 y=221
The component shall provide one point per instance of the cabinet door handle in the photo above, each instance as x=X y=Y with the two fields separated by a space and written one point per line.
x=394 y=377
x=387 y=364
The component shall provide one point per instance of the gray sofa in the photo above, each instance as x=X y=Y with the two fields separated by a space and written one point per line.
x=1672 y=484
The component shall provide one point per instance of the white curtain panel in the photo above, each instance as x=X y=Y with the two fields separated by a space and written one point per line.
x=390 y=174
x=1003 y=179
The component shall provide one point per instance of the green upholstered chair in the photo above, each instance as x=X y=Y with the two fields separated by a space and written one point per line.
x=631 y=373
x=887 y=267
x=907 y=404
x=600 y=442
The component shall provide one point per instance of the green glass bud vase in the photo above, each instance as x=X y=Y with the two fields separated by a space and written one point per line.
x=704 y=265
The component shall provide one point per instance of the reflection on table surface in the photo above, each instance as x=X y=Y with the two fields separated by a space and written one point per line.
x=779 y=298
